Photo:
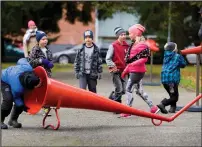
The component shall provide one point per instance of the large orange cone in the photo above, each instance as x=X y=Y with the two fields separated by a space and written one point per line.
x=152 y=45
x=57 y=94
x=193 y=50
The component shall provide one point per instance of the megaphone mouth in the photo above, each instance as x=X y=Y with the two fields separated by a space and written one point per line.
x=35 y=99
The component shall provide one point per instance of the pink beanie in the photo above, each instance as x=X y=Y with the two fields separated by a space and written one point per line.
x=137 y=29
x=31 y=22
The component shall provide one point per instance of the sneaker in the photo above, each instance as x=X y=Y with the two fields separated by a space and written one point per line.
x=162 y=108
x=125 y=115
x=3 y=126
x=154 y=109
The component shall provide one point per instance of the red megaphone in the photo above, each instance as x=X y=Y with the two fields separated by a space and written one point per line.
x=193 y=50
x=152 y=45
x=53 y=93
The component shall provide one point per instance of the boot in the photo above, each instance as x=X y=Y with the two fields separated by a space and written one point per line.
x=111 y=96
x=172 y=109
x=14 y=117
x=3 y=125
x=162 y=108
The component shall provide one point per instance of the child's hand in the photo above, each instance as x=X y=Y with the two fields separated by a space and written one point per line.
x=50 y=65
x=45 y=62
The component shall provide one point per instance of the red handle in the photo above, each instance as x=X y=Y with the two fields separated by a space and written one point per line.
x=50 y=125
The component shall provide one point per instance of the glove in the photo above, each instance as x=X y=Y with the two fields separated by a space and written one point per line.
x=50 y=65
x=45 y=62
x=77 y=75
x=99 y=76
x=26 y=108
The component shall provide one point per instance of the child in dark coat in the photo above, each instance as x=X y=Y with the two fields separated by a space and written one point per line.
x=41 y=55
x=170 y=76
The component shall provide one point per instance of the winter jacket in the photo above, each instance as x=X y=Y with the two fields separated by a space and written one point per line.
x=96 y=64
x=116 y=54
x=137 y=65
x=11 y=75
x=172 y=63
x=29 y=41
x=37 y=55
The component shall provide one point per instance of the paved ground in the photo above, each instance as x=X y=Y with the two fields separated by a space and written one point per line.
x=97 y=128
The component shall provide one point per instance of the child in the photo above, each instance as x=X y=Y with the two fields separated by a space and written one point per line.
x=41 y=55
x=14 y=81
x=29 y=39
x=116 y=63
x=88 y=63
x=170 y=76
x=136 y=57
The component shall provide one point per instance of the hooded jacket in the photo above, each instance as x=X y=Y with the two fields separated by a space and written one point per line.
x=172 y=63
x=11 y=75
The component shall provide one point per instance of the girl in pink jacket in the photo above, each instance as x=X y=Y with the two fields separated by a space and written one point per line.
x=136 y=59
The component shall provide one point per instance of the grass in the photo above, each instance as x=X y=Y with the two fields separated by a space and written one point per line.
x=188 y=74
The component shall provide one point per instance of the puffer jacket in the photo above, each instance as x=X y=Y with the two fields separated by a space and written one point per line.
x=137 y=65
x=11 y=75
x=36 y=55
x=96 y=64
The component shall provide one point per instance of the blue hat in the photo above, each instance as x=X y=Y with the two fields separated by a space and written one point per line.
x=88 y=33
x=39 y=35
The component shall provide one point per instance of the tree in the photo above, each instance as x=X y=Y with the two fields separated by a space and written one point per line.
x=154 y=15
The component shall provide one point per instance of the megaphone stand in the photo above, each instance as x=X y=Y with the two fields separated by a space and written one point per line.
x=56 y=95
x=197 y=107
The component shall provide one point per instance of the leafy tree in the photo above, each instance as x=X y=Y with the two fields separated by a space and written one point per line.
x=154 y=15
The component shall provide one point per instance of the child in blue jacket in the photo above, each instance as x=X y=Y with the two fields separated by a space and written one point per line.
x=14 y=80
x=170 y=76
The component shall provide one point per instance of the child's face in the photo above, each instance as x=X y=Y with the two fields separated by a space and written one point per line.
x=88 y=40
x=32 y=27
x=132 y=36
x=44 y=41
x=122 y=37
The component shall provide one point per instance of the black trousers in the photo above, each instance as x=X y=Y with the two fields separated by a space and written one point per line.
x=7 y=103
x=172 y=90
x=85 y=80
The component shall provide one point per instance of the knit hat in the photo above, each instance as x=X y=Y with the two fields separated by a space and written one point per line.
x=31 y=23
x=29 y=80
x=118 y=31
x=137 y=29
x=88 y=33
x=39 y=35
x=170 y=46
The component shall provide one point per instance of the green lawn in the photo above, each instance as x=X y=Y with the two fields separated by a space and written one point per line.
x=188 y=74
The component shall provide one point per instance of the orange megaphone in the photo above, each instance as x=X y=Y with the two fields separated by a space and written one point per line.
x=152 y=45
x=53 y=93
x=193 y=50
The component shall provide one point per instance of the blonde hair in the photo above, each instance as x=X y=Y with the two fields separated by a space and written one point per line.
x=139 y=39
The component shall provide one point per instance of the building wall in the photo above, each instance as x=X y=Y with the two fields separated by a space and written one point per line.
x=73 y=33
